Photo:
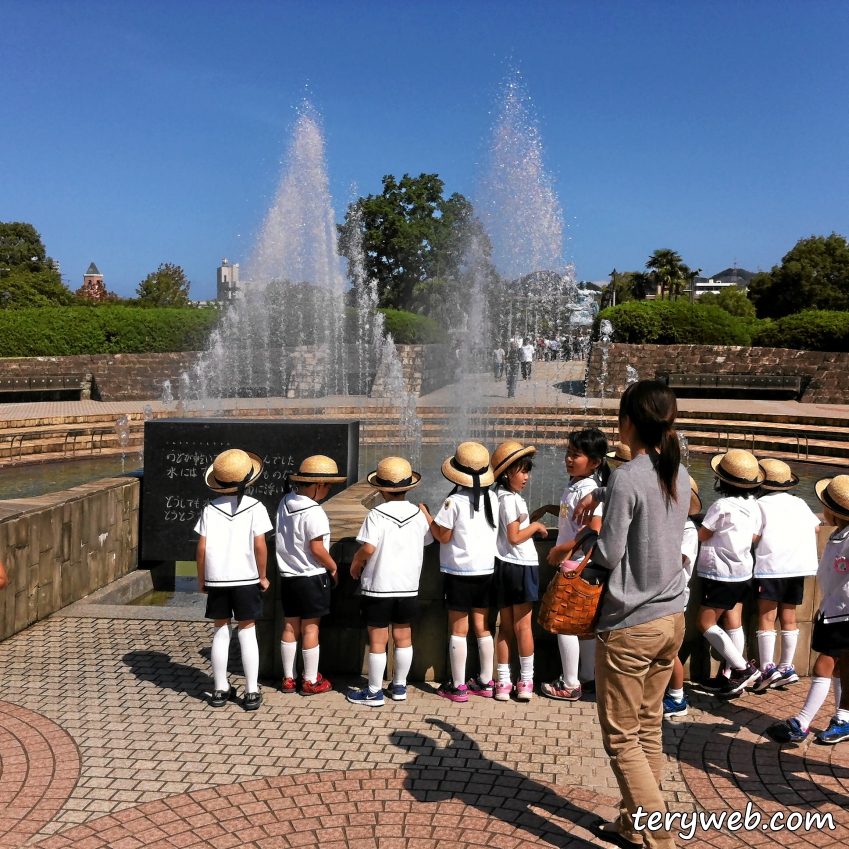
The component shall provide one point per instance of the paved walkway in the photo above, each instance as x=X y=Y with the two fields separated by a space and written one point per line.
x=106 y=740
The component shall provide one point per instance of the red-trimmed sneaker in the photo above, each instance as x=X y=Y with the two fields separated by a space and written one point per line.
x=476 y=687
x=289 y=685
x=322 y=685
x=558 y=690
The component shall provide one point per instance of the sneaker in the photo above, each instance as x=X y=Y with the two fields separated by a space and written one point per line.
x=769 y=677
x=476 y=687
x=322 y=685
x=455 y=694
x=837 y=731
x=366 y=697
x=788 y=676
x=715 y=684
x=739 y=679
x=502 y=691
x=588 y=686
x=252 y=701
x=786 y=731
x=558 y=690
x=289 y=685
x=397 y=692
x=674 y=707
x=221 y=697
x=524 y=690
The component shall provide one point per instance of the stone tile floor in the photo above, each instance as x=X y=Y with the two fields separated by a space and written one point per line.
x=106 y=741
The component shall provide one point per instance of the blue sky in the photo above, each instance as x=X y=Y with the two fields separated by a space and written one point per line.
x=138 y=133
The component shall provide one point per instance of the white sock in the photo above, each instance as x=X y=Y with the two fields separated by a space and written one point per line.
x=723 y=644
x=586 y=649
x=838 y=690
x=403 y=664
x=788 y=648
x=310 y=657
x=817 y=695
x=250 y=658
x=376 y=668
x=220 y=654
x=526 y=668
x=738 y=637
x=504 y=673
x=570 y=654
x=843 y=715
x=486 y=650
x=766 y=648
x=675 y=694
x=288 y=651
x=457 y=651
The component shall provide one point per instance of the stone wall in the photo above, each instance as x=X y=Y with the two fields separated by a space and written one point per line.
x=825 y=376
x=425 y=368
x=60 y=547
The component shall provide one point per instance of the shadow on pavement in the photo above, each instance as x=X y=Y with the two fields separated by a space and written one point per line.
x=158 y=668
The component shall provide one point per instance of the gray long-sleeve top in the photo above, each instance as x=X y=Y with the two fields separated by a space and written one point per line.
x=640 y=543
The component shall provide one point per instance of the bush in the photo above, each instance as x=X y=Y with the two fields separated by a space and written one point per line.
x=674 y=322
x=64 y=331
x=409 y=328
x=814 y=330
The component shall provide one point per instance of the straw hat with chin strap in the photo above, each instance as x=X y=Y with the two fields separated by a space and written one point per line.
x=508 y=453
x=394 y=474
x=695 y=500
x=778 y=475
x=739 y=468
x=233 y=471
x=834 y=494
x=620 y=454
x=470 y=467
x=318 y=469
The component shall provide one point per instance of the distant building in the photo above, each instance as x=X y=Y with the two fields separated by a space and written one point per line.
x=716 y=284
x=93 y=287
x=228 y=281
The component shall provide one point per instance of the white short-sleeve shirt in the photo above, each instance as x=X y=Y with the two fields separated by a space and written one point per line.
x=527 y=354
x=472 y=547
x=230 y=532
x=689 y=553
x=788 y=544
x=512 y=508
x=727 y=555
x=299 y=521
x=567 y=529
x=833 y=578
x=398 y=530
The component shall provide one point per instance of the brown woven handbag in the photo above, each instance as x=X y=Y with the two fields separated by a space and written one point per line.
x=570 y=604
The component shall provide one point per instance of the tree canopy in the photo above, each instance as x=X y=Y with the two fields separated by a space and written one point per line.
x=814 y=274
x=730 y=299
x=165 y=287
x=27 y=275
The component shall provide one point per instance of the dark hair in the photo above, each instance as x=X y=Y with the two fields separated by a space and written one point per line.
x=730 y=491
x=592 y=442
x=523 y=464
x=652 y=408
x=487 y=504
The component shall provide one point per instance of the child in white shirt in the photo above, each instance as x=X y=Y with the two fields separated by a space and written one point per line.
x=389 y=566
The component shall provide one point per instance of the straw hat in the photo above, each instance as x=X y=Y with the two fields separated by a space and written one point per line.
x=394 y=474
x=470 y=461
x=233 y=469
x=621 y=453
x=695 y=501
x=778 y=475
x=318 y=469
x=834 y=494
x=507 y=453
x=739 y=468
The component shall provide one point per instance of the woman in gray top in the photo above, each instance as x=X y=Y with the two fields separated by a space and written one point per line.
x=641 y=622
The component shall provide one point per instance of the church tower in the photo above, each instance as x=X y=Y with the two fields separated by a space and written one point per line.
x=93 y=287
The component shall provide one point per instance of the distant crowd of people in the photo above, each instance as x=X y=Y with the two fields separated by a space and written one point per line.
x=521 y=353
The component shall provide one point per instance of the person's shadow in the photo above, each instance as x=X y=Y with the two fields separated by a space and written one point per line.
x=461 y=771
x=158 y=668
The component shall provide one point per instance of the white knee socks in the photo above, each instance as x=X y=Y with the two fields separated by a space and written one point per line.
x=788 y=648
x=250 y=658
x=376 y=668
x=586 y=649
x=817 y=695
x=838 y=690
x=457 y=652
x=403 y=663
x=288 y=651
x=766 y=648
x=724 y=645
x=738 y=637
x=310 y=657
x=486 y=649
x=526 y=668
x=570 y=654
x=220 y=654
x=504 y=673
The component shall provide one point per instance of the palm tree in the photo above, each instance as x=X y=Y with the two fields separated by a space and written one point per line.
x=640 y=281
x=665 y=265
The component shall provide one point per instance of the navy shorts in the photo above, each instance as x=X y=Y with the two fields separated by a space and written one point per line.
x=379 y=612
x=239 y=603
x=514 y=584
x=467 y=592
x=305 y=597
x=782 y=590
x=723 y=595
x=831 y=639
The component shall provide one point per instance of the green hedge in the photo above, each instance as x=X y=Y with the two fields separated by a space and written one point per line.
x=409 y=328
x=675 y=322
x=814 y=330
x=64 y=331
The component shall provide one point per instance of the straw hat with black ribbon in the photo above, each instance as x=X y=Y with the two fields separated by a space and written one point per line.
x=621 y=453
x=394 y=474
x=508 y=453
x=232 y=472
x=778 y=476
x=834 y=494
x=470 y=467
x=318 y=469
x=739 y=468
x=695 y=500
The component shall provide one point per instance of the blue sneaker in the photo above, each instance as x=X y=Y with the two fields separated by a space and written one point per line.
x=674 y=707
x=788 y=677
x=770 y=677
x=397 y=692
x=786 y=731
x=366 y=697
x=837 y=731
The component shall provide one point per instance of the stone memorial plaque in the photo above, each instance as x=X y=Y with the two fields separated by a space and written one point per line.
x=177 y=453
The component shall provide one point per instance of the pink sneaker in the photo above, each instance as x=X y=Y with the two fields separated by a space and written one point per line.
x=524 y=690
x=476 y=687
x=559 y=690
x=503 y=690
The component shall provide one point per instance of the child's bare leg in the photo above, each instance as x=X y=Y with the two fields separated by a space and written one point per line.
x=378 y=639
x=676 y=681
x=767 y=611
x=505 y=635
x=821 y=682
x=309 y=648
x=523 y=627
x=789 y=635
x=250 y=654
x=458 y=622
x=220 y=654
x=486 y=648
x=403 y=637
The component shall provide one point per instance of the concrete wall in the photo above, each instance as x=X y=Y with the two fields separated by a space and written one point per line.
x=825 y=376
x=60 y=547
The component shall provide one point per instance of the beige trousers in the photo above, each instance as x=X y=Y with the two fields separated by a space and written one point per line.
x=633 y=667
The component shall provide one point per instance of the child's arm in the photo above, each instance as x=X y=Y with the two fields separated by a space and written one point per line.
x=360 y=559
x=201 y=559
x=553 y=509
x=4 y=578
x=561 y=552
x=439 y=533
x=515 y=535
x=705 y=534
x=261 y=556
x=319 y=552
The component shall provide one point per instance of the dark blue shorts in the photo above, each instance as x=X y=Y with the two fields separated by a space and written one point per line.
x=514 y=584
x=239 y=603
x=306 y=597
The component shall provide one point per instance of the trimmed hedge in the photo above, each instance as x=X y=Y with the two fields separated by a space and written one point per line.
x=65 y=331
x=814 y=330
x=674 y=322
x=409 y=328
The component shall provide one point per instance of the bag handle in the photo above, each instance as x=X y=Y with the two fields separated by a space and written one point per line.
x=582 y=535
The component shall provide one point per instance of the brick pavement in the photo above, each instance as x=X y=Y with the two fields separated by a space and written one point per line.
x=131 y=695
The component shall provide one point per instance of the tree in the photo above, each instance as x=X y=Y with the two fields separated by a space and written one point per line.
x=165 y=287
x=409 y=234
x=668 y=271
x=732 y=300
x=28 y=277
x=814 y=274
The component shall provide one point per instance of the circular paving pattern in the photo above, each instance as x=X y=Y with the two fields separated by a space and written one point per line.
x=39 y=766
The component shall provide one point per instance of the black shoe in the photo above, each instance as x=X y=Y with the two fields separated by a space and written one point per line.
x=252 y=701
x=608 y=833
x=739 y=679
x=713 y=685
x=588 y=686
x=221 y=697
